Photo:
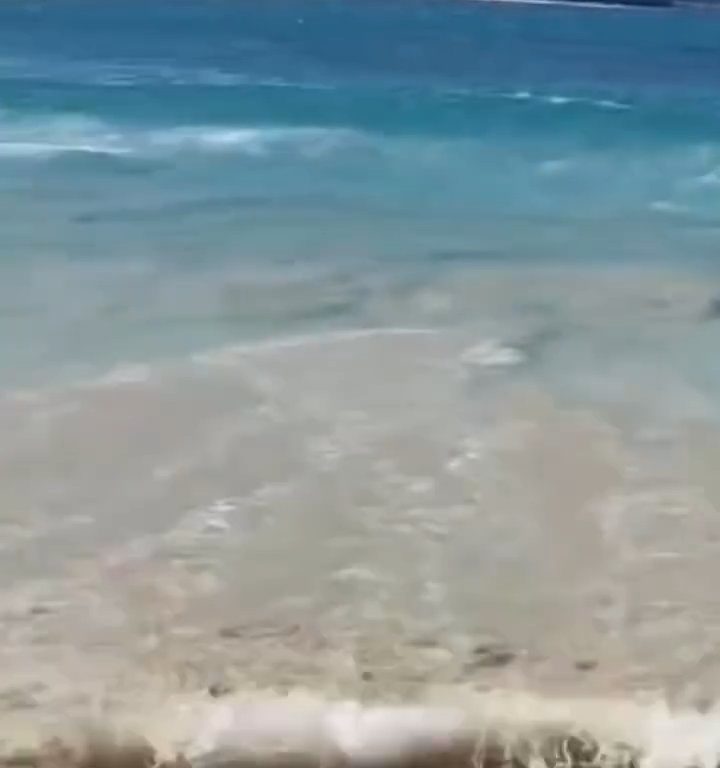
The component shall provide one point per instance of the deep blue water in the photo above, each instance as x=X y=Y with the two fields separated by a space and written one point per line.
x=179 y=174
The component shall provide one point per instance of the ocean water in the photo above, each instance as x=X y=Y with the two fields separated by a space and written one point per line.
x=360 y=354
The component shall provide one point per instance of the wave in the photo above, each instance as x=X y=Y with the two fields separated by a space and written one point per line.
x=562 y=100
x=151 y=122
x=46 y=137
x=116 y=75
x=252 y=140
x=41 y=149
x=491 y=730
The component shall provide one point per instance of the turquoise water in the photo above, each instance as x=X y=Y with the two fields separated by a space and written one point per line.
x=183 y=175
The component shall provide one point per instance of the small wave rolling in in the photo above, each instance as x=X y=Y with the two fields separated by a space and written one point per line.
x=359 y=388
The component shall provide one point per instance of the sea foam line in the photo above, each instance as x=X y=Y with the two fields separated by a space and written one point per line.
x=53 y=135
x=229 y=354
x=492 y=730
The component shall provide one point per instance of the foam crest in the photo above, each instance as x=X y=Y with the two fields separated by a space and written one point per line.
x=44 y=137
x=483 y=730
x=252 y=141
x=560 y=100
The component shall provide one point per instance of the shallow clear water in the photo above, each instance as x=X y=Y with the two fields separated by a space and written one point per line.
x=340 y=340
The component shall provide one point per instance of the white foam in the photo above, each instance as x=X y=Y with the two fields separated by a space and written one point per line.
x=253 y=141
x=610 y=104
x=231 y=354
x=491 y=354
x=27 y=149
x=562 y=100
x=51 y=135
x=306 y=723
x=559 y=100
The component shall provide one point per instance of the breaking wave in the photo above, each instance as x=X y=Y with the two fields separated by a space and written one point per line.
x=52 y=136
x=491 y=730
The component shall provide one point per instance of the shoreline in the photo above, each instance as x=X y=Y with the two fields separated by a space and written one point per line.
x=286 y=732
